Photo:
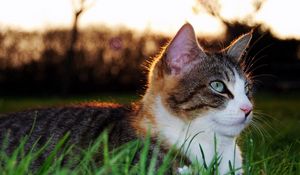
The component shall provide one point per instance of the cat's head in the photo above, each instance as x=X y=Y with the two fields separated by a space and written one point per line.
x=192 y=83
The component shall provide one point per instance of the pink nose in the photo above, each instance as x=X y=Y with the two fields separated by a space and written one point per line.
x=246 y=109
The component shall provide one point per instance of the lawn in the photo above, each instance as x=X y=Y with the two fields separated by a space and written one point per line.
x=272 y=147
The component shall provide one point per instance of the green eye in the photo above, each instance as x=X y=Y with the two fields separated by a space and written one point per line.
x=218 y=86
x=247 y=89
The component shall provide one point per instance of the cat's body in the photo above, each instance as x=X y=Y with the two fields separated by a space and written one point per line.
x=84 y=123
x=192 y=97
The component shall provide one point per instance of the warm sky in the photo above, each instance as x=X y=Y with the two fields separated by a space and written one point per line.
x=281 y=17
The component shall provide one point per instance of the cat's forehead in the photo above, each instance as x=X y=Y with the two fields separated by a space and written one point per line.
x=217 y=66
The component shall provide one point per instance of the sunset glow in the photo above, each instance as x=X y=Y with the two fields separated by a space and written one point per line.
x=160 y=16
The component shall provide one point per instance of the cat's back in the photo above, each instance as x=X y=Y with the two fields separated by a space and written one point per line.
x=83 y=122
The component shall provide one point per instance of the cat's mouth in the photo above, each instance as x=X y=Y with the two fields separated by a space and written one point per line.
x=232 y=121
x=231 y=126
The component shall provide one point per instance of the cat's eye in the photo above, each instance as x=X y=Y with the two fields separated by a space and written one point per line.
x=218 y=86
x=247 y=89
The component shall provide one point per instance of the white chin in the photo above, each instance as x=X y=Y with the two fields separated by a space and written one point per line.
x=230 y=131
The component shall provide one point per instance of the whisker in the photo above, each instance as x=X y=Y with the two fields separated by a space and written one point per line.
x=263 y=75
x=257 y=82
x=265 y=123
x=258 y=67
x=254 y=62
x=256 y=129
x=248 y=63
x=259 y=128
x=263 y=120
x=254 y=43
x=261 y=50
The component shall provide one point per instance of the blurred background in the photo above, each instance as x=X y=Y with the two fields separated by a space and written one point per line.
x=57 y=52
x=67 y=48
x=63 y=47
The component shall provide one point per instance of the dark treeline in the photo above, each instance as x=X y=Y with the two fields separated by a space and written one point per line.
x=111 y=60
x=104 y=60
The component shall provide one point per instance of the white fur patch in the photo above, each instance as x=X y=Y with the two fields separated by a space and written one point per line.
x=231 y=121
x=223 y=125
x=184 y=170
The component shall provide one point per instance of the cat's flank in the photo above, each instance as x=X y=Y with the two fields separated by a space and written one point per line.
x=194 y=98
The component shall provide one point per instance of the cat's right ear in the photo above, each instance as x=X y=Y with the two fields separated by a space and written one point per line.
x=183 y=52
x=238 y=47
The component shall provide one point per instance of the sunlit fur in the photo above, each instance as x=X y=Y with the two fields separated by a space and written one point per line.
x=167 y=106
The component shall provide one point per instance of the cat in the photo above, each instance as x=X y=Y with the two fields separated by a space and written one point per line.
x=193 y=96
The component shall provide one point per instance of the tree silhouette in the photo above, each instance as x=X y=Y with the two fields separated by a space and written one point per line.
x=79 y=7
x=233 y=27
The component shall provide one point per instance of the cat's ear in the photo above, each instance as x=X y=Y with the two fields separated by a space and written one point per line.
x=183 y=51
x=238 y=47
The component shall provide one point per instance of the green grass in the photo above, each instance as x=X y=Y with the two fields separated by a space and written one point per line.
x=273 y=149
x=276 y=147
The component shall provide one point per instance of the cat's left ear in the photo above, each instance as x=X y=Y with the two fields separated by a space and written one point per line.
x=238 y=47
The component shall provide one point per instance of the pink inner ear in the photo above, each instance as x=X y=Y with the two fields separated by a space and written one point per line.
x=182 y=63
x=183 y=51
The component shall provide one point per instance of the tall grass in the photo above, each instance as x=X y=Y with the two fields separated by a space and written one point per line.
x=271 y=147
x=62 y=160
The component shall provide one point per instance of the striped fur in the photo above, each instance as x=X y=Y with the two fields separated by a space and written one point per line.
x=182 y=104
x=179 y=105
